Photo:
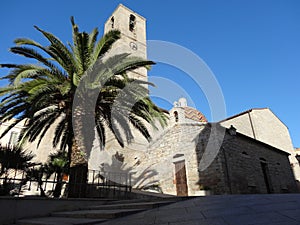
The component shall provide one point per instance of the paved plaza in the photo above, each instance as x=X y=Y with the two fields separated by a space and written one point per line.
x=218 y=210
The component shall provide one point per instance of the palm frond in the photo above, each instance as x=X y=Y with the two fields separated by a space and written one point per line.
x=92 y=40
x=105 y=44
x=59 y=52
x=140 y=126
x=31 y=53
x=59 y=130
x=50 y=121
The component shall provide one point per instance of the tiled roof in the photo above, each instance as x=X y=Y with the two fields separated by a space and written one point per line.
x=194 y=114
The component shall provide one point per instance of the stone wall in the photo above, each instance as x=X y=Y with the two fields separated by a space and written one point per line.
x=245 y=173
x=262 y=125
x=233 y=164
x=213 y=177
x=265 y=126
x=178 y=140
x=41 y=151
x=131 y=41
x=237 y=169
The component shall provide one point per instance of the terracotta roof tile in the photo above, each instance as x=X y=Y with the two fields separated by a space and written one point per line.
x=194 y=114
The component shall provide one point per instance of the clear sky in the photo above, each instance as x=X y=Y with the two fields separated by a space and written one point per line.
x=252 y=47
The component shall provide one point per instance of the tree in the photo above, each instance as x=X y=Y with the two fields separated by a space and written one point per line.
x=57 y=164
x=44 y=93
x=13 y=157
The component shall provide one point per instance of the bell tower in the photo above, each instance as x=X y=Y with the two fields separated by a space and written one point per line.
x=133 y=36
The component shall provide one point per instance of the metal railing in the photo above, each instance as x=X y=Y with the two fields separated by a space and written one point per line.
x=15 y=182
x=108 y=184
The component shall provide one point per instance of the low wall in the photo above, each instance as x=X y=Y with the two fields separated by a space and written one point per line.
x=12 y=208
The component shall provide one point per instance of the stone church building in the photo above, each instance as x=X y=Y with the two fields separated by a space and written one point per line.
x=250 y=152
x=182 y=160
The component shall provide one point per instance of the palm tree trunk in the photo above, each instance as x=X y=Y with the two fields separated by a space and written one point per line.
x=58 y=186
x=42 y=192
x=77 y=173
x=82 y=142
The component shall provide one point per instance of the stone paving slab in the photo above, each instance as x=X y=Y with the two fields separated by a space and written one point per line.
x=292 y=213
x=139 y=205
x=59 y=221
x=275 y=209
x=261 y=218
x=105 y=214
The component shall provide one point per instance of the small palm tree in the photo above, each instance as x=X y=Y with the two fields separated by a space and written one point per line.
x=57 y=164
x=44 y=94
x=13 y=157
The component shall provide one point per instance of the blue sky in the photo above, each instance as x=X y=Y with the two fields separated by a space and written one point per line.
x=252 y=47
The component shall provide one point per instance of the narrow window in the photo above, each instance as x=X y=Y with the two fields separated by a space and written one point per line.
x=176 y=116
x=132 y=23
x=245 y=154
x=13 y=138
x=112 y=22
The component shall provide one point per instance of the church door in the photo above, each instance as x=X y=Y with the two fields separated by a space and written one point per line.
x=180 y=179
x=266 y=174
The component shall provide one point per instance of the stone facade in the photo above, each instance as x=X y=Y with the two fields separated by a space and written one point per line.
x=41 y=151
x=245 y=165
x=234 y=163
x=263 y=125
x=133 y=36
x=177 y=143
x=236 y=168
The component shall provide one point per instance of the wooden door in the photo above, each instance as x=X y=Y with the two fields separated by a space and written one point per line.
x=180 y=179
x=266 y=174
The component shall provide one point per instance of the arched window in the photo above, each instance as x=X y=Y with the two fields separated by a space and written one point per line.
x=176 y=116
x=112 y=22
x=132 y=23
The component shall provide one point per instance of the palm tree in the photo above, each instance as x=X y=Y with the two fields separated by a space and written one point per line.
x=13 y=157
x=57 y=164
x=44 y=94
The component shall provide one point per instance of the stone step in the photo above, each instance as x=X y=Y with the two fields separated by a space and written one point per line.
x=59 y=221
x=170 y=199
x=97 y=214
x=135 y=205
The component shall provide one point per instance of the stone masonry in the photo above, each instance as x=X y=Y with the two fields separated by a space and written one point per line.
x=237 y=169
x=263 y=125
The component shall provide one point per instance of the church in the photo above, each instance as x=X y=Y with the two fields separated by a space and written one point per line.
x=247 y=153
